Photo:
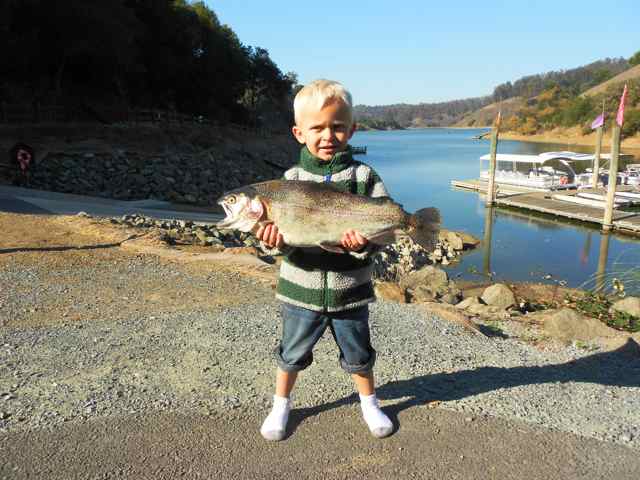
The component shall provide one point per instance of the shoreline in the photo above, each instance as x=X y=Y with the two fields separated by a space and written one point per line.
x=572 y=137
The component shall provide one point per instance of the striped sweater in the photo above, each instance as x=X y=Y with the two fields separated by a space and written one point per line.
x=323 y=281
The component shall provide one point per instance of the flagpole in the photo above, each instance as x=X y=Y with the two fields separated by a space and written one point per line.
x=607 y=221
x=491 y=189
x=596 y=161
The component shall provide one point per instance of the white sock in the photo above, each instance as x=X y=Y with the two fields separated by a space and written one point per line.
x=275 y=424
x=378 y=423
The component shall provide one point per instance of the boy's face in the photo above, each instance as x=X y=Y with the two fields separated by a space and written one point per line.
x=325 y=132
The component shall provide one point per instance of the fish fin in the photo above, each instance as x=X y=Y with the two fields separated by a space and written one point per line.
x=330 y=247
x=425 y=225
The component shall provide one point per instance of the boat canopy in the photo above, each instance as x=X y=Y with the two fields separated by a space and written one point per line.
x=541 y=158
x=547 y=156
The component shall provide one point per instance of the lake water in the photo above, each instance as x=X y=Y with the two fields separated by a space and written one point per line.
x=417 y=167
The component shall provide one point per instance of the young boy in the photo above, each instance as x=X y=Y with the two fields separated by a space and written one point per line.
x=322 y=289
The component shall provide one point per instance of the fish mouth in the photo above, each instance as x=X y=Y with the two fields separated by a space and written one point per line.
x=228 y=220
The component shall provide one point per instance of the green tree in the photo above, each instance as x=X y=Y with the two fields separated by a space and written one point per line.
x=635 y=59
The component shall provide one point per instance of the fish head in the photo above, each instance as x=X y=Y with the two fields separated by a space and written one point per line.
x=243 y=209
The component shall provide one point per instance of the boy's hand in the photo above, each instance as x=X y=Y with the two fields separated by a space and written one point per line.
x=353 y=241
x=270 y=235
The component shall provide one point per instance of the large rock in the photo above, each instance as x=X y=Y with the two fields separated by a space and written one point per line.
x=468 y=240
x=452 y=238
x=453 y=315
x=475 y=306
x=629 y=305
x=390 y=291
x=499 y=295
x=568 y=325
x=429 y=284
x=432 y=276
x=468 y=302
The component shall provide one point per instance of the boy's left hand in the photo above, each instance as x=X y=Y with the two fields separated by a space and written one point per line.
x=353 y=241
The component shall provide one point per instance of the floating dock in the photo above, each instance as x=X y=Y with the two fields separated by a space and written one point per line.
x=543 y=202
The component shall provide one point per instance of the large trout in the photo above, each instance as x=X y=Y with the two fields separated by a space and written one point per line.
x=311 y=214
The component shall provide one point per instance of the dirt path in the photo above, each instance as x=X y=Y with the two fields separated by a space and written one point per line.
x=324 y=444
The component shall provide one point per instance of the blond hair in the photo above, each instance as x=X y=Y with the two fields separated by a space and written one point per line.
x=319 y=94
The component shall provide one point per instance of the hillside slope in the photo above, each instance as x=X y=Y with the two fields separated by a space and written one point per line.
x=485 y=116
x=632 y=73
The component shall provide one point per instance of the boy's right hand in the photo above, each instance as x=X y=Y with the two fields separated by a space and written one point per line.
x=270 y=235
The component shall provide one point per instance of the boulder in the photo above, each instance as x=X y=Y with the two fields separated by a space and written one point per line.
x=390 y=291
x=452 y=238
x=568 y=325
x=429 y=275
x=629 y=305
x=468 y=302
x=469 y=241
x=429 y=284
x=499 y=295
x=453 y=315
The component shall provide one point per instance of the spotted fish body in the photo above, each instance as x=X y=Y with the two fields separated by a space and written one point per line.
x=310 y=214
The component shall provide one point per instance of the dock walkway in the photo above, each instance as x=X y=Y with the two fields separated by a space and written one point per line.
x=541 y=201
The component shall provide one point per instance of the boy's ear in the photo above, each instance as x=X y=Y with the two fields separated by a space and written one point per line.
x=297 y=132
x=353 y=129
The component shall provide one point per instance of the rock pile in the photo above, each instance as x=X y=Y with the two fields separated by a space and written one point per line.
x=399 y=259
x=182 y=178
x=189 y=233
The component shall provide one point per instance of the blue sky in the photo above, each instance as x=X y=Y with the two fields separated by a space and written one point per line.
x=423 y=51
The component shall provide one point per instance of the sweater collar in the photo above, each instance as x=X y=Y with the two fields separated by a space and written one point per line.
x=313 y=164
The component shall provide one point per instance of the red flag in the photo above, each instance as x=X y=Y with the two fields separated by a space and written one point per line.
x=623 y=99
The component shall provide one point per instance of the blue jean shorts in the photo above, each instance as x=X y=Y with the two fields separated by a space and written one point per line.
x=302 y=328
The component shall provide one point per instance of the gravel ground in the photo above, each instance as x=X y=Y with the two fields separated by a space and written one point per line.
x=208 y=358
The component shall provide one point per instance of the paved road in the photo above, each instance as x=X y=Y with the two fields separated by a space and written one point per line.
x=24 y=200
x=324 y=444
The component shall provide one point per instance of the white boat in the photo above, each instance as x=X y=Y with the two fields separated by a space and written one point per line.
x=546 y=171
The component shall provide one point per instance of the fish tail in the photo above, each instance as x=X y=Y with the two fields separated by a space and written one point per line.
x=424 y=227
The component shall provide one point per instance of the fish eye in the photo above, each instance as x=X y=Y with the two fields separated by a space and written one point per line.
x=231 y=199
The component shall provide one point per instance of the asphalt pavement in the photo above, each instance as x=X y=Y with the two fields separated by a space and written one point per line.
x=30 y=201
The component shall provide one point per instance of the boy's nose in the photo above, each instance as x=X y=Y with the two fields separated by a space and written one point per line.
x=328 y=133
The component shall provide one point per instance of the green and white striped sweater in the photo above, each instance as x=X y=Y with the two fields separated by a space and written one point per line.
x=324 y=281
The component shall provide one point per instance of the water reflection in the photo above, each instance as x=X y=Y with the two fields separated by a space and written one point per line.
x=488 y=231
x=603 y=256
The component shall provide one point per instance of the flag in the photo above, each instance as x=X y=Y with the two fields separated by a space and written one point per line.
x=598 y=122
x=623 y=99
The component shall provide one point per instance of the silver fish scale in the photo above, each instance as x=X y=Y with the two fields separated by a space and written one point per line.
x=309 y=213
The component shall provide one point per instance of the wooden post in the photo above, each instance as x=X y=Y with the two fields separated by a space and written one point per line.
x=607 y=223
x=491 y=187
x=596 y=161
x=602 y=262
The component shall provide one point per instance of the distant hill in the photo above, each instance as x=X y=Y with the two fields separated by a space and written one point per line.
x=479 y=111
x=485 y=116
x=416 y=116
x=630 y=74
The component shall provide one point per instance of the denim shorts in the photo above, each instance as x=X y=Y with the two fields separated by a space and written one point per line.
x=302 y=328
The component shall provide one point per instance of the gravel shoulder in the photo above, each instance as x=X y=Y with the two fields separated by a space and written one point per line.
x=99 y=339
